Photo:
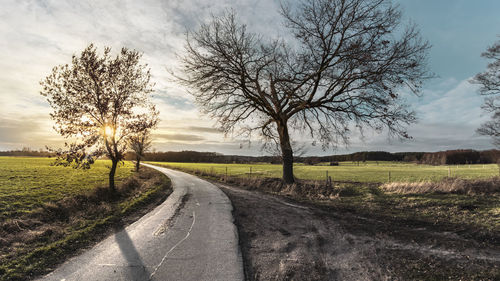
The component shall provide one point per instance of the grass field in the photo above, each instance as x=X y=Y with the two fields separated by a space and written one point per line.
x=348 y=171
x=28 y=183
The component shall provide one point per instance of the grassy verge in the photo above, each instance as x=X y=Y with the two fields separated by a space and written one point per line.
x=34 y=242
x=453 y=205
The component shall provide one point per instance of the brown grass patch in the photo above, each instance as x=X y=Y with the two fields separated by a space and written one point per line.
x=448 y=185
x=310 y=189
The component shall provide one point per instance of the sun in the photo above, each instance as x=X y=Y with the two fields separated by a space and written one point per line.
x=108 y=130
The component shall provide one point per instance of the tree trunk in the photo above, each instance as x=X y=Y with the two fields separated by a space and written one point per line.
x=286 y=153
x=112 y=174
x=137 y=163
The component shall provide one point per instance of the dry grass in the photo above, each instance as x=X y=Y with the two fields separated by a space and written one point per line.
x=311 y=189
x=448 y=185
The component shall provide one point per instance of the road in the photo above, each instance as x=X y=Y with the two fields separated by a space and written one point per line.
x=191 y=236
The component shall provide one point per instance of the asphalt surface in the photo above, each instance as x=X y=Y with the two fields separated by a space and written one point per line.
x=191 y=236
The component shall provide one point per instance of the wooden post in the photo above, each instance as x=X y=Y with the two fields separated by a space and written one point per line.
x=449 y=172
x=389 y=176
x=326 y=177
x=250 y=171
x=226 y=173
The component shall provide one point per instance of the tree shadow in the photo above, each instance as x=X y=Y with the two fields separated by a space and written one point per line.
x=135 y=268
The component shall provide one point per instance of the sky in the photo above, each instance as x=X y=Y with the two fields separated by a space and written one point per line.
x=38 y=35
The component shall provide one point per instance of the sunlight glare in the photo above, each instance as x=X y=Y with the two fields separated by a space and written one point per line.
x=108 y=131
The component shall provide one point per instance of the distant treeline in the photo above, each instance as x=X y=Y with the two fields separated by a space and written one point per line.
x=450 y=157
x=203 y=157
x=365 y=156
x=461 y=157
x=26 y=151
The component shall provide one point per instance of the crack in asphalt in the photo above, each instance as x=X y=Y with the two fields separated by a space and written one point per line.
x=175 y=246
x=164 y=226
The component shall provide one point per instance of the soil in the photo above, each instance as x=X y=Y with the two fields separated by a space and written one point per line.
x=285 y=239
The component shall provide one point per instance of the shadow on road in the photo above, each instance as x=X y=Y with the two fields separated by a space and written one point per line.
x=135 y=269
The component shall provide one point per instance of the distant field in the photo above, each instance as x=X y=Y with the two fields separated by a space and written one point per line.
x=27 y=183
x=349 y=171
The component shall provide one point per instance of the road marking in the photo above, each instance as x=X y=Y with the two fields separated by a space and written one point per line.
x=175 y=246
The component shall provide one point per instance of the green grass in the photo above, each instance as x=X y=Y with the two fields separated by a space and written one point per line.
x=27 y=183
x=348 y=171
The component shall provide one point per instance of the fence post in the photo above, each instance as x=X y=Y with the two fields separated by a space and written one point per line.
x=389 y=176
x=326 y=177
x=226 y=174
x=449 y=172
x=250 y=172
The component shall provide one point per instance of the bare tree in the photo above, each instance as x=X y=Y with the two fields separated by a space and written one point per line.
x=489 y=82
x=98 y=101
x=140 y=142
x=343 y=65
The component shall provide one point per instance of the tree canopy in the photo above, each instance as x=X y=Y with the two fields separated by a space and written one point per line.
x=98 y=101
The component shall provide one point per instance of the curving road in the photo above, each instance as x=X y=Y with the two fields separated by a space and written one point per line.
x=191 y=236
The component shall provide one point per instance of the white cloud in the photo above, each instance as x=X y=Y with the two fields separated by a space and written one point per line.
x=459 y=104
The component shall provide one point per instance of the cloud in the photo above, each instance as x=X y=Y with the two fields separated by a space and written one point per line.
x=177 y=137
x=179 y=103
x=196 y=129
x=459 y=104
x=16 y=134
x=204 y=130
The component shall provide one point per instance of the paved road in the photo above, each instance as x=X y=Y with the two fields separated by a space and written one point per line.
x=191 y=236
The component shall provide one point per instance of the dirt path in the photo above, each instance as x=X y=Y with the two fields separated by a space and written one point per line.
x=286 y=240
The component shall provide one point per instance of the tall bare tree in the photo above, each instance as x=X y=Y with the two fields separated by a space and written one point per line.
x=140 y=142
x=489 y=82
x=99 y=101
x=343 y=65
